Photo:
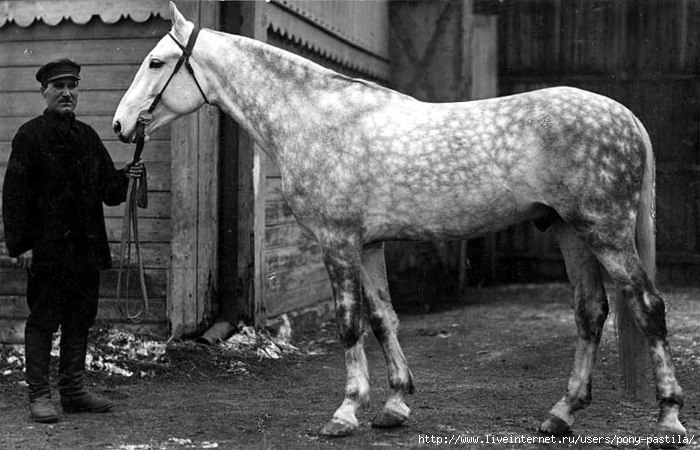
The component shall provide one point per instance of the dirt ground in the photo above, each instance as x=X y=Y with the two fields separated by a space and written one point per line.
x=488 y=367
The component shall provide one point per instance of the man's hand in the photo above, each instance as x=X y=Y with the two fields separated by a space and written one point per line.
x=25 y=259
x=135 y=170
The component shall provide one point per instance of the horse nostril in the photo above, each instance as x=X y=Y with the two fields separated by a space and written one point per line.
x=117 y=127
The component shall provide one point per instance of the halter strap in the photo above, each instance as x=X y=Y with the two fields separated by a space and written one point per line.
x=185 y=57
x=145 y=116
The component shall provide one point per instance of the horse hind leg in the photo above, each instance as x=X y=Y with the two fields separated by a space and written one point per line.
x=342 y=259
x=384 y=324
x=649 y=309
x=591 y=311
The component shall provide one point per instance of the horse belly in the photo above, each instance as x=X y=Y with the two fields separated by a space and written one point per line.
x=453 y=213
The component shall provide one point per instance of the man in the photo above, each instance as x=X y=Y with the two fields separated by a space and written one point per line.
x=58 y=175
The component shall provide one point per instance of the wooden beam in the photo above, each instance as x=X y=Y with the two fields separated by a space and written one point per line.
x=484 y=75
x=207 y=191
x=183 y=259
x=252 y=173
x=467 y=48
x=467 y=30
x=194 y=210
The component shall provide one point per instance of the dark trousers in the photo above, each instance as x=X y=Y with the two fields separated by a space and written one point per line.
x=59 y=298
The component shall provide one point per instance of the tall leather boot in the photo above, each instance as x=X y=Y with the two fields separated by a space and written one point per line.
x=74 y=397
x=37 y=357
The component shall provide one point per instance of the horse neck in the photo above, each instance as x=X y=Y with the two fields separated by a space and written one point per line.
x=263 y=88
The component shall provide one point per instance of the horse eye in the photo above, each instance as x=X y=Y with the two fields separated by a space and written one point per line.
x=156 y=64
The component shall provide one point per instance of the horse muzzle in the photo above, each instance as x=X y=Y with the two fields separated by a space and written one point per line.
x=117 y=127
x=145 y=118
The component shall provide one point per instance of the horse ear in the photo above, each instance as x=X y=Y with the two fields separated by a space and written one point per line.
x=177 y=19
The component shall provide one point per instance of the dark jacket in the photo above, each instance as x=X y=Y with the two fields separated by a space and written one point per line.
x=58 y=175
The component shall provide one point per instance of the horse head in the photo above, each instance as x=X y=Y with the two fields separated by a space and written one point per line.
x=161 y=91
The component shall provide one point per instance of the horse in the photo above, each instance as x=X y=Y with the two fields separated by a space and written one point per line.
x=362 y=164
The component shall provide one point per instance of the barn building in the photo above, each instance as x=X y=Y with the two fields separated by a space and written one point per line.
x=219 y=243
x=644 y=55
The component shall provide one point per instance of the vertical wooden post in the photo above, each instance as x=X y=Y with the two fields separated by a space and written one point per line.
x=194 y=206
x=484 y=75
x=182 y=292
x=208 y=188
x=252 y=173
x=230 y=293
x=480 y=74
x=463 y=267
x=467 y=30
x=467 y=27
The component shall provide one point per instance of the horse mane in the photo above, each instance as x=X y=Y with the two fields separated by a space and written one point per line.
x=348 y=79
x=281 y=55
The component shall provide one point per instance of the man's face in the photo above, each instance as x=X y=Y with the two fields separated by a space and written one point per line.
x=61 y=95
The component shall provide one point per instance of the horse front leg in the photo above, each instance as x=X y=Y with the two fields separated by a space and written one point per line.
x=342 y=260
x=385 y=324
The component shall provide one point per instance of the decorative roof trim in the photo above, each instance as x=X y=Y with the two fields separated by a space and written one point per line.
x=305 y=11
x=325 y=42
x=353 y=59
x=52 y=12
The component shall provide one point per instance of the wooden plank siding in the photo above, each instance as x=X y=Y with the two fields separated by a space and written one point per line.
x=645 y=55
x=295 y=276
x=110 y=56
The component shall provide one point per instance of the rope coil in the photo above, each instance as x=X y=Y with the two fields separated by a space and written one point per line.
x=136 y=197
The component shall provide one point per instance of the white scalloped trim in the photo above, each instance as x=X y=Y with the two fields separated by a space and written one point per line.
x=373 y=70
x=52 y=12
x=317 y=37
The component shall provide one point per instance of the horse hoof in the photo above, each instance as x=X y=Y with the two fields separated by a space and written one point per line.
x=389 y=419
x=555 y=426
x=337 y=428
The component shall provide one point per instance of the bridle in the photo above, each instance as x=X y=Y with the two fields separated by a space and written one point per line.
x=146 y=116
x=137 y=191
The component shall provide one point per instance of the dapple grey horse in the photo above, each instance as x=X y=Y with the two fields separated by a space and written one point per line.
x=362 y=164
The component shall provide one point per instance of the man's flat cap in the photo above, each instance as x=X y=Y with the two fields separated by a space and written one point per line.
x=60 y=68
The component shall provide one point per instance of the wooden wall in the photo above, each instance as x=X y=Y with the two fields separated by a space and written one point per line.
x=110 y=55
x=643 y=54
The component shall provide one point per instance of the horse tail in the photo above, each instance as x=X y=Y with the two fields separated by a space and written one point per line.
x=646 y=227
x=632 y=344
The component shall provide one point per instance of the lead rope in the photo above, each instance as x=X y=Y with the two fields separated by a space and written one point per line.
x=136 y=197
